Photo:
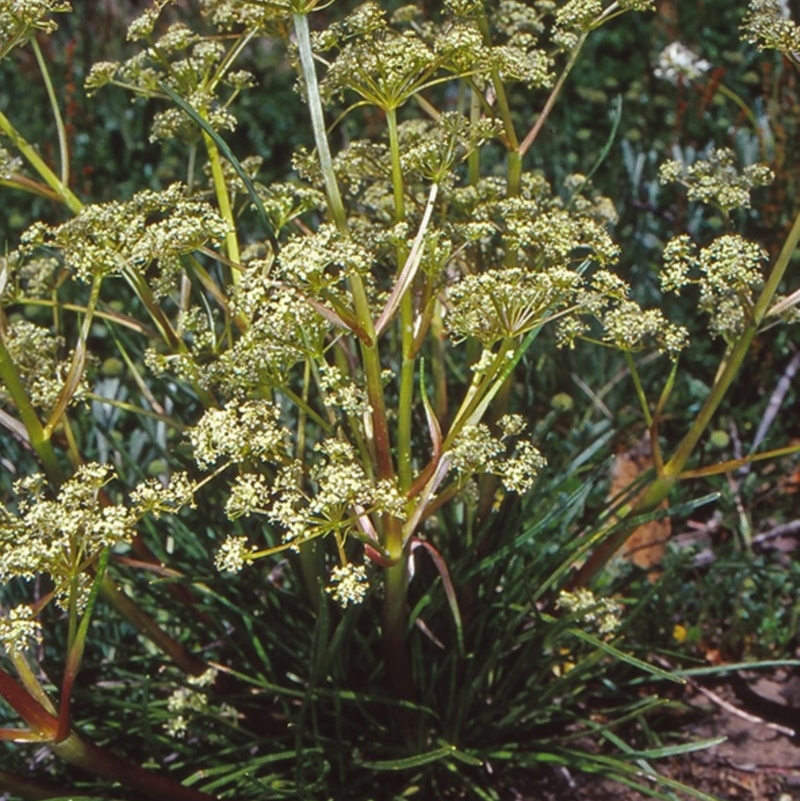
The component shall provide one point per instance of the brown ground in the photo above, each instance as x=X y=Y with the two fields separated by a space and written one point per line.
x=759 y=761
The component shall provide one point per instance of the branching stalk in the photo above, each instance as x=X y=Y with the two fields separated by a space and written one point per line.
x=661 y=487
x=35 y=160
x=544 y=114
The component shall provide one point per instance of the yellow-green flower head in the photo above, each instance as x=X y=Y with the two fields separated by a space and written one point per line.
x=501 y=304
x=768 y=24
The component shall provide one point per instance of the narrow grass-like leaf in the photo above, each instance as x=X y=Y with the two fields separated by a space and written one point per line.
x=681 y=748
x=596 y=538
x=628 y=658
x=405 y=763
x=227 y=773
x=733 y=666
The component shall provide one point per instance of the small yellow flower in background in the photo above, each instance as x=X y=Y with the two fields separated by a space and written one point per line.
x=679 y=633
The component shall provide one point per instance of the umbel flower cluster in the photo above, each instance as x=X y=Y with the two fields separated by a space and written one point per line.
x=316 y=349
x=19 y=21
x=62 y=536
x=768 y=24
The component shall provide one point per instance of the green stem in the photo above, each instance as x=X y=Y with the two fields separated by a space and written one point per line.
x=512 y=143
x=38 y=164
x=77 y=645
x=78 y=364
x=746 y=110
x=481 y=392
x=406 y=395
x=145 y=294
x=399 y=677
x=395 y=611
x=439 y=364
x=190 y=167
x=734 y=360
x=474 y=158
x=224 y=203
x=513 y=186
x=640 y=393
x=189 y=664
x=534 y=132
x=397 y=173
x=515 y=152
x=230 y=58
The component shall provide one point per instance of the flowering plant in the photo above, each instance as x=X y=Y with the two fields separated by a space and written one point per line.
x=349 y=355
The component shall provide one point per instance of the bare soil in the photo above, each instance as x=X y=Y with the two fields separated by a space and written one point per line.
x=758 y=761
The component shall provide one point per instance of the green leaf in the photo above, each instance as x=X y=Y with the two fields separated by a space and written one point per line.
x=681 y=748
x=623 y=657
x=415 y=761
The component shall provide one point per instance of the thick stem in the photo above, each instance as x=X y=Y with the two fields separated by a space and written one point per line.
x=100 y=762
x=29 y=789
x=399 y=678
x=395 y=612
x=406 y=396
x=89 y=757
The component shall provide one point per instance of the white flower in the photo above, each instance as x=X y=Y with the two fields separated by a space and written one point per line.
x=678 y=63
